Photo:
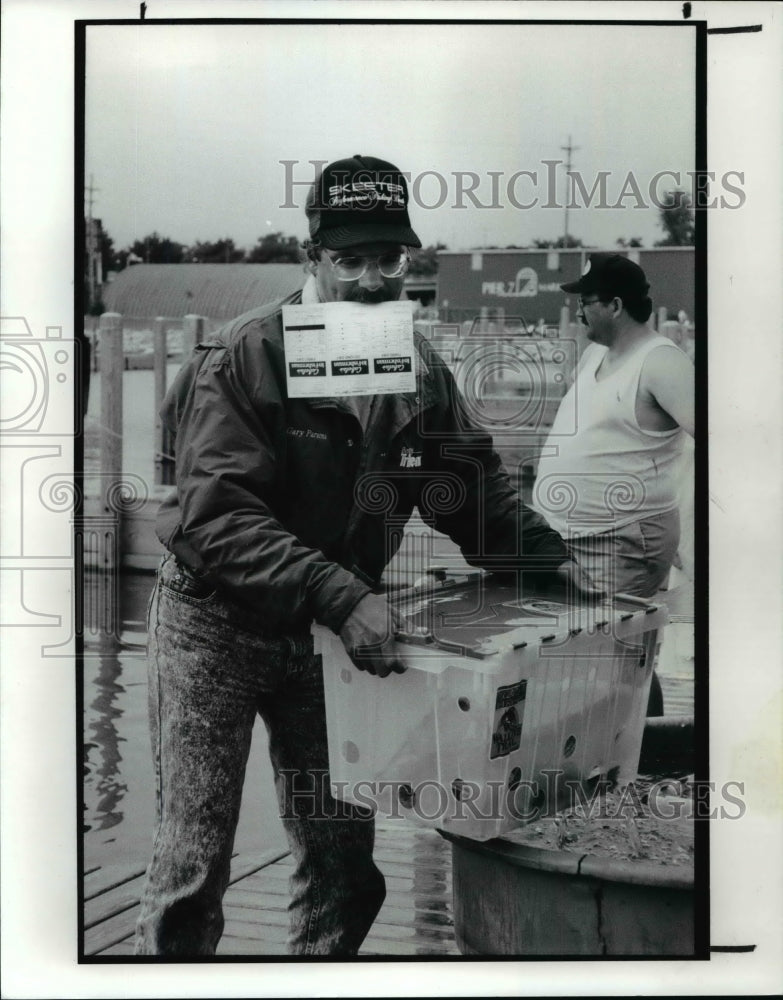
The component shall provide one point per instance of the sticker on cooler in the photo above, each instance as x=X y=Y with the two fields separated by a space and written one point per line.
x=509 y=713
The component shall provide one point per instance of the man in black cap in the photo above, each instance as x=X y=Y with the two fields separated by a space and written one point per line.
x=613 y=453
x=266 y=532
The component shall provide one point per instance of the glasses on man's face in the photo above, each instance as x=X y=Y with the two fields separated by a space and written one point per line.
x=586 y=302
x=390 y=265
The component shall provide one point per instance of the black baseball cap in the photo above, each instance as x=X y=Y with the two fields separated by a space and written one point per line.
x=610 y=274
x=359 y=200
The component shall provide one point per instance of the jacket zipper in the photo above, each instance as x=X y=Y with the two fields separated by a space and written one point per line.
x=356 y=512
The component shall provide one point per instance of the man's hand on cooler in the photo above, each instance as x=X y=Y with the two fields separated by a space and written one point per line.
x=368 y=635
x=574 y=576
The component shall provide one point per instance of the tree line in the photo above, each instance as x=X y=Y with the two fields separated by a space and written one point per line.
x=677 y=222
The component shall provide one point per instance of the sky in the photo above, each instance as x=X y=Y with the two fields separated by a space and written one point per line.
x=186 y=126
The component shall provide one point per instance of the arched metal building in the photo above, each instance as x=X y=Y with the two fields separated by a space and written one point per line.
x=217 y=291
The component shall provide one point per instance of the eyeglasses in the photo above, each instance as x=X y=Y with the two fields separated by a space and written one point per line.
x=390 y=265
x=586 y=302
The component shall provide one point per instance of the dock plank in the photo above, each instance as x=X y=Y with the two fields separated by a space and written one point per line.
x=122 y=948
x=240 y=930
x=230 y=945
x=102 y=880
x=416 y=918
x=243 y=866
x=110 y=931
x=255 y=916
x=110 y=903
x=376 y=947
x=242 y=897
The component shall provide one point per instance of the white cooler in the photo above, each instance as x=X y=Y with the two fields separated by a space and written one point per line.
x=511 y=708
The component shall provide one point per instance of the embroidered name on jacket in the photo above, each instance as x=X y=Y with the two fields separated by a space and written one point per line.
x=410 y=459
x=305 y=432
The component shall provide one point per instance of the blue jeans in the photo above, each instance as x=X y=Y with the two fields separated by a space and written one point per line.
x=211 y=670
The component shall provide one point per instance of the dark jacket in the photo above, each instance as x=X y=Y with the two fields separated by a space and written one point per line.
x=288 y=508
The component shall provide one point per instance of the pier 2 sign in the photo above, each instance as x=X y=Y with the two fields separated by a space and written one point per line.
x=524 y=286
x=527 y=281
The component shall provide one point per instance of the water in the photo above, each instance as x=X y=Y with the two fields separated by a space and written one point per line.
x=119 y=803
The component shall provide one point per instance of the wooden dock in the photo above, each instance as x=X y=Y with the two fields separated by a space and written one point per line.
x=415 y=921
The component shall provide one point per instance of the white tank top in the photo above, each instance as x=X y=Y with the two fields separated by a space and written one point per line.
x=599 y=469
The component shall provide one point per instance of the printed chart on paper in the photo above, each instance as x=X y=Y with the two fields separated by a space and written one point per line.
x=348 y=349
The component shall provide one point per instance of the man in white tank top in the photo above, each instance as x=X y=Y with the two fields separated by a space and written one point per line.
x=608 y=475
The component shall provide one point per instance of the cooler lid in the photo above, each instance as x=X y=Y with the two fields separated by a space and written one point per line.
x=475 y=616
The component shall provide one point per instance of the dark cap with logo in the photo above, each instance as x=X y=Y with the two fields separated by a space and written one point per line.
x=610 y=274
x=359 y=200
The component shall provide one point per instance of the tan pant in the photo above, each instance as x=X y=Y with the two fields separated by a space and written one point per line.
x=634 y=559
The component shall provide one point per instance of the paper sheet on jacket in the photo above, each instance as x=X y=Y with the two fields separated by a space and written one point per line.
x=348 y=349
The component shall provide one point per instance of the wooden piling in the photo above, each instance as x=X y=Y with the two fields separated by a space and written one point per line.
x=565 y=322
x=192 y=334
x=164 y=467
x=112 y=364
x=672 y=330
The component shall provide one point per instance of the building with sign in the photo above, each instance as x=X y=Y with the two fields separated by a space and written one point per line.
x=526 y=283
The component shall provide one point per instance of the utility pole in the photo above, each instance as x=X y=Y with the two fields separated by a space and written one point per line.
x=91 y=190
x=94 y=268
x=567 y=149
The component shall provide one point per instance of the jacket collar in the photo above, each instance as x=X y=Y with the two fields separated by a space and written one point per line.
x=310 y=291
